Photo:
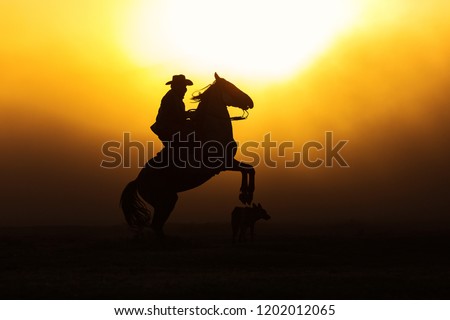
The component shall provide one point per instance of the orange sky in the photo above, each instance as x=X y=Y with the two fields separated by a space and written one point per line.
x=70 y=83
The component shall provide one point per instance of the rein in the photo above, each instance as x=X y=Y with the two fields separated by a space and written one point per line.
x=241 y=117
x=244 y=115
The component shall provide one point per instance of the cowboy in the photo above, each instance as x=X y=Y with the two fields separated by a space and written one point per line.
x=171 y=118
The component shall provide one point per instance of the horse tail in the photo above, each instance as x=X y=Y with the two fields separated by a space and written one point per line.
x=136 y=213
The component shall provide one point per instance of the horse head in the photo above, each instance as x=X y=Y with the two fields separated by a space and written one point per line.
x=232 y=95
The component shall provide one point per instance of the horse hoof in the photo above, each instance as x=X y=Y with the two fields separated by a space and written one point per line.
x=246 y=198
x=242 y=198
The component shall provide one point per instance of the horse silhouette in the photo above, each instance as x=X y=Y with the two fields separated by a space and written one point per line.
x=174 y=170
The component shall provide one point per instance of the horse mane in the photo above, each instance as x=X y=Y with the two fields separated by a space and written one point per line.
x=203 y=93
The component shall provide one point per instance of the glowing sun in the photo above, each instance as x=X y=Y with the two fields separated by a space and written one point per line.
x=260 y=38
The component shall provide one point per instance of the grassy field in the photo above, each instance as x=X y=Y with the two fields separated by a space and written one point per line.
x=199 y=262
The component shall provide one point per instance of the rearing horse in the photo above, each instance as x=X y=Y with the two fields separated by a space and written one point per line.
x=162 y=178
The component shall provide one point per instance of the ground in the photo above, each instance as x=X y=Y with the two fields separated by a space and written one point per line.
x=200 y=262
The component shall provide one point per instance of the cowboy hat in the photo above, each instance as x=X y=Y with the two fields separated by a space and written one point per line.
x=180 y=79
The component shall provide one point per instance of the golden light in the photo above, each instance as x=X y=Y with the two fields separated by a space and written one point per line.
x=266 y=39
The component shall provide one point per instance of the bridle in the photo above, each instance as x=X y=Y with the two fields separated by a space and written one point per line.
x=244 y=115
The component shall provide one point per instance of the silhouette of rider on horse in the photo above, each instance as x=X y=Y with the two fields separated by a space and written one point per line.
x=172 y=118
x=159 y=182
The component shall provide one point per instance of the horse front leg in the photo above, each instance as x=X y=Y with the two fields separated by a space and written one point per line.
x=248 y=181
x=244 y=187
x=251 y=184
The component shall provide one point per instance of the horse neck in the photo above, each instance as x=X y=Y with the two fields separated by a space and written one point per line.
x=214 y=122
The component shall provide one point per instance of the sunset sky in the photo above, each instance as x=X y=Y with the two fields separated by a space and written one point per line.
x=76 y=74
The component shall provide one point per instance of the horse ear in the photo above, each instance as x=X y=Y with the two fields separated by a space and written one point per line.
x=259 y=205
x=216 y=76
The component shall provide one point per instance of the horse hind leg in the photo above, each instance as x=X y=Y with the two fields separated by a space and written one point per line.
x=163 y=206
